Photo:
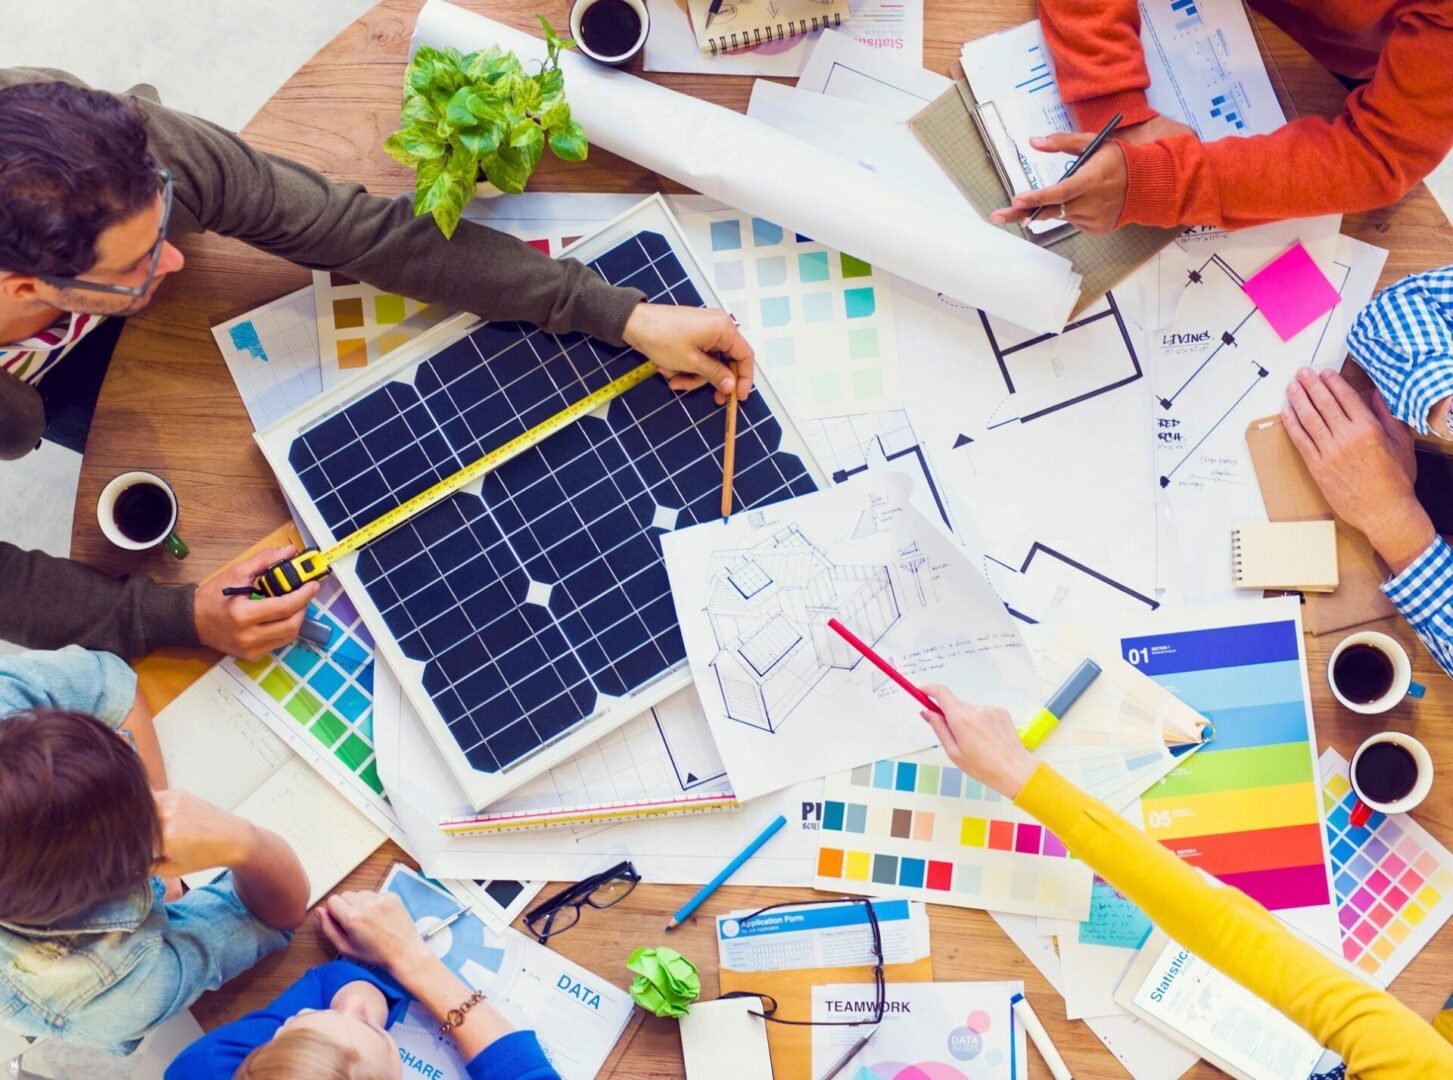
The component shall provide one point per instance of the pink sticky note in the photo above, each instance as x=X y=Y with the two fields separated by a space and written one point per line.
x=1291 y=292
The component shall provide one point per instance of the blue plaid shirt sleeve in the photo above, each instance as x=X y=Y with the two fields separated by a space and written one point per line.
x=1404 y=341
x=1424 y=594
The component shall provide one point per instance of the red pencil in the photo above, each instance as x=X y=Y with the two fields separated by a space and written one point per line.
x=883 y=665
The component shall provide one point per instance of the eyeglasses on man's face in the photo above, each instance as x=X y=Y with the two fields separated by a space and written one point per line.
x=134 y=291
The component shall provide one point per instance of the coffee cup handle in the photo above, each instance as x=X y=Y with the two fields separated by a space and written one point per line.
x=177 y=546
x=1416 y=690
x=1361 y=812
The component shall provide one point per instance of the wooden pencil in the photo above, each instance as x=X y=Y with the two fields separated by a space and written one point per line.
x=729 y=457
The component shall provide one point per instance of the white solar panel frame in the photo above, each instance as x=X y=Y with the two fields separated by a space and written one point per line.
x=277 y=439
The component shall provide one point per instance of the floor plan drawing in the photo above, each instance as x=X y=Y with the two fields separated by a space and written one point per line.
x=769 y=606
x=1060 y=518
x=848 y=446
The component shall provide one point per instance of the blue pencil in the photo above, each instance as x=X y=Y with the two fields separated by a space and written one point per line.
x=727 y=871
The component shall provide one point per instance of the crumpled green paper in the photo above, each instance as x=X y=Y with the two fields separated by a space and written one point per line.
x=666 y=983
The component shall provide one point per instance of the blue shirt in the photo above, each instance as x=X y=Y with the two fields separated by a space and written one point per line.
x=516 y=1056
x=109 y=975
x=1404 y=341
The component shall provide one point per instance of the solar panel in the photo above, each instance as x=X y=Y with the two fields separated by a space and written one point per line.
x=533 y=609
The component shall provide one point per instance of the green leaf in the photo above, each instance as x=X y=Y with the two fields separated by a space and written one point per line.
x=556 y=115
x=569 y=142
x=482 y=140
x=552 y=84
x=418 y=109
x=413 y=144
x=428 y=185
x=511 y=170
x=458 y=112
x=480 y=65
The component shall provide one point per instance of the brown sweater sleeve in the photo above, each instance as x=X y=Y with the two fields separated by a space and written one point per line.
x=289 y=210
x=50 y=603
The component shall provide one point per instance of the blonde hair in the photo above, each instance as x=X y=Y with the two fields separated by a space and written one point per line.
x=299 y=1055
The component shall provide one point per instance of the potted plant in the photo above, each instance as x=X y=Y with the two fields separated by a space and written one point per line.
x=481 y=117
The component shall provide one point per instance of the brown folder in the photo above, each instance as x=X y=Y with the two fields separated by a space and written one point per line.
x=1291 y=494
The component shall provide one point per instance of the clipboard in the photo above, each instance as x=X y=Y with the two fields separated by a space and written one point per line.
x=1290 y=494
x=954 y=128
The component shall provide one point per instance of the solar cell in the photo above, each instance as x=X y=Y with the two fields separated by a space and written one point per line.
x=535 y=600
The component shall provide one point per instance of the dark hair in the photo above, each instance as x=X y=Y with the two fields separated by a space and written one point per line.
x=78 y=823
x=73 y=162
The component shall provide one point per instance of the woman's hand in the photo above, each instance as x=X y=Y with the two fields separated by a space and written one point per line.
x=375 y=928
x=981 y=740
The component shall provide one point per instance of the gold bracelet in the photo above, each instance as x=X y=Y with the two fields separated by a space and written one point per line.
x=454 y=1017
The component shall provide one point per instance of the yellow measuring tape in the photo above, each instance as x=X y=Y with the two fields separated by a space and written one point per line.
x=283 y=577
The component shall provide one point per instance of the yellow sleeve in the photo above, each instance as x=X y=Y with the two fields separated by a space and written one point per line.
x=1378 y=1036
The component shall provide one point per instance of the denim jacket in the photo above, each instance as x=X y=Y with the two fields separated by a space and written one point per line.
x=110 y=975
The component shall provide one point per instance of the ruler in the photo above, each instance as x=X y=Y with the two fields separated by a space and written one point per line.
x=599 y=814
x=289 y=574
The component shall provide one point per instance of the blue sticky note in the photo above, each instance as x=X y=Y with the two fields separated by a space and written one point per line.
x=776 y=311
x=764 y=233
x=1113 y=919
x=244 y=339
x=860 y=302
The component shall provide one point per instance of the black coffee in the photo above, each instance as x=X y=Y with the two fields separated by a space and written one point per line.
x=610 y=28
x=1363 y=673
x=142 y=512
x=1386 y=772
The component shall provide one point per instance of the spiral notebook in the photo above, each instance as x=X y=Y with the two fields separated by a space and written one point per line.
x=1299 y=555
x=746 y=24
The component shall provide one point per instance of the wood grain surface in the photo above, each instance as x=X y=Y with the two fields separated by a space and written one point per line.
x=168 y=404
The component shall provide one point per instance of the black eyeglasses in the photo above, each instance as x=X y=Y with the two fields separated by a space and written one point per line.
x=134 y=291
x=880 y=1000
x=562 y=911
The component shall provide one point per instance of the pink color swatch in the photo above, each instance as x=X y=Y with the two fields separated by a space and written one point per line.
x=1291 y=292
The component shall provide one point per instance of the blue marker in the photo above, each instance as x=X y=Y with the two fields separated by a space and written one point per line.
x=730 y=869
x=1048 y=718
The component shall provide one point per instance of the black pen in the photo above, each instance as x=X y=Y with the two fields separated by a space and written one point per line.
x=1095 y=144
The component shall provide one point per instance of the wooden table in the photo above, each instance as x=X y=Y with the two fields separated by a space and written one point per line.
x=169 y=404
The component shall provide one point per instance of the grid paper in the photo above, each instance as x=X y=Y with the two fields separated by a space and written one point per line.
x=946 y=131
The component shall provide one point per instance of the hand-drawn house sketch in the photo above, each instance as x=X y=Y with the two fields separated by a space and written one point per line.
x=768 y=607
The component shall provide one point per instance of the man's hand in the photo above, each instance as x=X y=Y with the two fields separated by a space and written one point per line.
x=195 y=835
x=1362 y=459
x=682 y=343
x=1091 y=200
x=1152 y=130
x=248 y=628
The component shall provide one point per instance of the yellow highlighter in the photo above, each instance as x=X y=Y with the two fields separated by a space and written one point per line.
x=1048 y=718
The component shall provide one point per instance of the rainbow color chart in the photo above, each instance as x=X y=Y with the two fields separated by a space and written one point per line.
x=920 y=828
x=1394 y=881
x=1247 y=807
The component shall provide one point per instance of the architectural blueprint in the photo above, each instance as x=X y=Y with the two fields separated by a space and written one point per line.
x=786 y=698
x=1217 y=364
x=1043 y=457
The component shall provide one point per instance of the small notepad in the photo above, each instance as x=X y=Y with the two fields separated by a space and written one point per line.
x=1299 y=555
x=748 y=24
x=722 y=1040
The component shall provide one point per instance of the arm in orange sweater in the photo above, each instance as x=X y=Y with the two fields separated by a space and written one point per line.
x=1378 y=1036
x=1391 y=133
x=1098 y=62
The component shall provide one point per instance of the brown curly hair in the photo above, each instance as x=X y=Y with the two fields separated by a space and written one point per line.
x=73 y=162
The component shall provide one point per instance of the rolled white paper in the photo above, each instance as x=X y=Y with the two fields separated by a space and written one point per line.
x=746 y=164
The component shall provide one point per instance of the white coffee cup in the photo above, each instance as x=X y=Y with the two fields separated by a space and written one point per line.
x=1424 y=783
x=1402 y=672
x=577 y=16
x=106 y=514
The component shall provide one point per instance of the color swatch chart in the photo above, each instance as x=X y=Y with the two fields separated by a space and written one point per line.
x=1394 y=881
x=358 y=324
x=820 y=320
x=1245 y=808
x=918 y=827
x=319 y=700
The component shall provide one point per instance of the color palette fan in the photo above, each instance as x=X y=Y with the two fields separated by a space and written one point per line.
x=1394 y=880
x=528 y=617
